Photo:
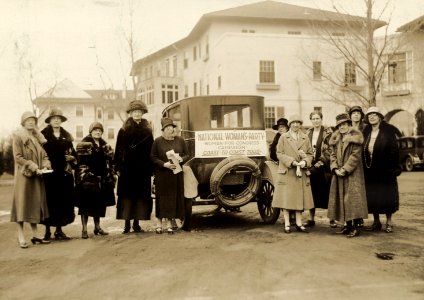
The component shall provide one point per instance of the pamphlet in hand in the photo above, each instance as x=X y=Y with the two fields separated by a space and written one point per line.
x=171 y=155
x=46 y=171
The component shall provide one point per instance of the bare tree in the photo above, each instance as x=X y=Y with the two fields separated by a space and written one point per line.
x=365 y=56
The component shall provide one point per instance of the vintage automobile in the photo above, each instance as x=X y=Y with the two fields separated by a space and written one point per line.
x=411 y=151
x=227 y=144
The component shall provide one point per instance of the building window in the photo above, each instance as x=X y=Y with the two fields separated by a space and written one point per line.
x=174 y=66
x=269 y=116
x=195 y=89
x=110 y=133
x=294 y=32
x=194 y=53
x=186 y=91
x=266 y=71
x=316 y=70
x=79 y=112
x=219 y=82
x=207 y=89
x=169 y=93
x=200 y=50
x=167 y=67
x=99 y=113
x=397 y=68
x=207 y=46
x=201 y=87
x=110 y=114
x=350 y=74
x=79 y=132
x=318 y=109
x=185 y=61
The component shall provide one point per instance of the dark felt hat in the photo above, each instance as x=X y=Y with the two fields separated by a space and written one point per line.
x=137 y=105
x=341 y=118
x=356 y=108
x=55 y=112
x=281 y=121
x=95 y=125
x=167 y=122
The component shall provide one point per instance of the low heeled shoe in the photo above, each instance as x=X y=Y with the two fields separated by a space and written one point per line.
x=99 y=231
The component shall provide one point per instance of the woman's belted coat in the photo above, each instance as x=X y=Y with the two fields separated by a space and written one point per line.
x=293 y=192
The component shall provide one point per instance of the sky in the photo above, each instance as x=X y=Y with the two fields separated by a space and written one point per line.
x=82 y=40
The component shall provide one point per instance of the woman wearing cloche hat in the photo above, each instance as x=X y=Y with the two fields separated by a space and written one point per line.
x=381 y=168
x=293 y=191
x=347 y=200
x=281 y=126
x=29 y=197
x=59 y=184
x=134 y=168
x=169 y=185
x=95 y=179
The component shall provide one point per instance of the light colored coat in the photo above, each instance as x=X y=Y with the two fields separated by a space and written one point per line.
x=292 y=192
x=29 y=197
x=347 y=194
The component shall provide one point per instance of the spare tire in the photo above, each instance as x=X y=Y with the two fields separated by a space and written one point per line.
x=248 y=189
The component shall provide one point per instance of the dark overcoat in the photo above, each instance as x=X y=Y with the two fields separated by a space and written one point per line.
x=95 y=178
x=320 y=177
x=347 y=199
x=292 y=192
x=169 y=186
x=29 y=196
x=382 y=170
x=132 y=161
x=60 y=184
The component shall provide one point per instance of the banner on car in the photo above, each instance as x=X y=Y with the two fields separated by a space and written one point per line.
x=224 y=143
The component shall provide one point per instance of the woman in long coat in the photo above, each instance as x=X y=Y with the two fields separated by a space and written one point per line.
x=169 y=186
x=347 y=193
x=29 y=196
x=381 y=168
x=60 y=184
x=320 y=173
x=281 y=127
x=134 y=168
x=95 y=179
x=293 y=188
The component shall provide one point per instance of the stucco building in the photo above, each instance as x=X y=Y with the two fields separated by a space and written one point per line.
x=268 y=48
x=82 y=107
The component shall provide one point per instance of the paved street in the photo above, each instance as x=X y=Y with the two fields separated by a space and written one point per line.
x=227 y=256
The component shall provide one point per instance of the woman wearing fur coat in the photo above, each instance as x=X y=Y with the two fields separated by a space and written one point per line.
x=29 y=196
x=347 y=199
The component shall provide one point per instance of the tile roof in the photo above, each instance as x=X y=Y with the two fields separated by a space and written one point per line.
x=66 y=89
x=415 y=25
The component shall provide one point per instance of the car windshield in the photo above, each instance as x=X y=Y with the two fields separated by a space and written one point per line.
x=230 y=116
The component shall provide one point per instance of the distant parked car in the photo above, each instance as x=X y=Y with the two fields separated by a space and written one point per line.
x=411 y=151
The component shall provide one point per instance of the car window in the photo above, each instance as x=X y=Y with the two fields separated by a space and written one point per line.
x=230 y=116
x=420 y=142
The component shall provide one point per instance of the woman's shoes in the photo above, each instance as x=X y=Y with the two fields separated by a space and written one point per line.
x=36 y=240
x=84 y=234
x=354 y=232
x=344 y=230
x=170 y=230
x=126 y=230
x=287 y=229
x=309 y=223
x=23 y=244
x=301 y=229
x=100 y=231
x=374 y=227
x=60 y=235
x=47 y=236
x=158 y=230
x=389 y=228
x=333 y=224
x=137 y=229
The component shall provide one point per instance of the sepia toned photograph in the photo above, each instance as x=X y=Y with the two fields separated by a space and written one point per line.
x=212 y=149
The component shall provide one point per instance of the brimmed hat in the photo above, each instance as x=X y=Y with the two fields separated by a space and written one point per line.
x=137 y=105
x=280 y=121
x=374 y=110
x=356 y=108
x=295 y=118
x=95 y=125
x=26 y=115
x=167 y=122
x=342 y=118
x=55 y=112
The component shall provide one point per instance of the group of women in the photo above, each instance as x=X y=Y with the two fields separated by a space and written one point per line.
x=350 y=170
x=51 y=177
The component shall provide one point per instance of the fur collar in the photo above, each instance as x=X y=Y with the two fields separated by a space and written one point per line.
x=48 y=133
x=353 y=136
x=24 y=135
x=130 y=123
x=90 y=139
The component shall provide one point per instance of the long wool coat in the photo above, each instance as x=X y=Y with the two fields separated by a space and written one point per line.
x=169 y=186
x=132 y=161
x=95 y=167
x=29 y=196
x=292 y=192
x=347 y=194
x=320 y=177
x=60 y=184
x=382 y=170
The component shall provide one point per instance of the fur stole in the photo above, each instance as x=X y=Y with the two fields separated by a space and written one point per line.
x=353 y=136
x=25 y=135
x=130 y=124
x=48 y=133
